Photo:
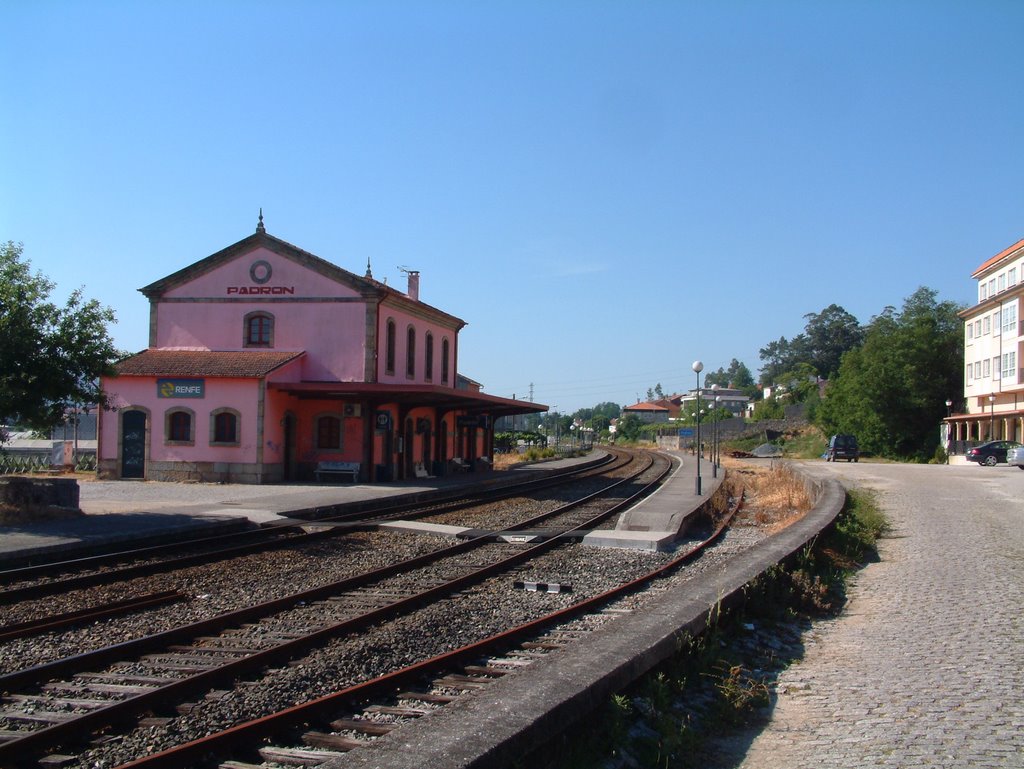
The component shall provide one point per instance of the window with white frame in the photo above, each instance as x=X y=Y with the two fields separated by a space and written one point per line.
x=970 y=373
x=995 y=323
x=970 y=331
x=988 y=324
x=982 y=292
x=977 y=327
x=992 y=287
x=1010 y=365
x=1010 y=319
x=986 y=371
x=995 y=367
x=1001 y=281
x=977 y=369
x=1011 y=276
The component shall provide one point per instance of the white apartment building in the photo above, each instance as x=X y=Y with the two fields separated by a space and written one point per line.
x=993 y=354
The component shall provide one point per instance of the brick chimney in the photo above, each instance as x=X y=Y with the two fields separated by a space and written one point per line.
x=414 y=285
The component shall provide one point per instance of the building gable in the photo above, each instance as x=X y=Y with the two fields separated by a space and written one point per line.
x=259 y=266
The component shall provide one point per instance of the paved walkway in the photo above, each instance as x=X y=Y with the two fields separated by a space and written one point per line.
x=925 y=668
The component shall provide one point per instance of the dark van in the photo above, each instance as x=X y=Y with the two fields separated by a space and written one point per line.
x=842 y=447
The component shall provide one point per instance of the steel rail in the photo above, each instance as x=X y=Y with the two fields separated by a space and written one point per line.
x=454 y=502
x=93 y=613
x=38 y=740
x=116 y=652
x=323 y=708
x=18 y=573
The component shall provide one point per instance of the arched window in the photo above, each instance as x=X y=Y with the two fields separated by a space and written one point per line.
x=428 y=362
x=328 y=432
x=444 y=360
x=224 y=425
x=410 y=352
x=178 y=426
x=259 y=329
x=389 y=348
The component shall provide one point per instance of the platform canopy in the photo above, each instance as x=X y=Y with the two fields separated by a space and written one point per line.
x=409 y=395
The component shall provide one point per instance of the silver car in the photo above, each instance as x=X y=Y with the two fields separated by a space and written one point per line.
x=1016 y=457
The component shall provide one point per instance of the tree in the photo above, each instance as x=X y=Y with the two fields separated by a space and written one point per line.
x=778 y=356
x=891 y=391
x=51 y=357
x=655 y=393
x=628 y=428
x=800 y=382
x=827 y=336
x=737 y=376
x=607 y=409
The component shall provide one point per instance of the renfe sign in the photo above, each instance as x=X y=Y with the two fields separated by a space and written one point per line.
x=180 y=388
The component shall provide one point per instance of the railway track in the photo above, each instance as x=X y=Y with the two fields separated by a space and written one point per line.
x=310 y=559
x=25 y=583
x=326 y=727
x=67 y=701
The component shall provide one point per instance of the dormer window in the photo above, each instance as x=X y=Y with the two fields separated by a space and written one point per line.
x=259 y=329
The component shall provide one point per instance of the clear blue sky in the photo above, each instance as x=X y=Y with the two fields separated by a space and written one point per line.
x=604 y=191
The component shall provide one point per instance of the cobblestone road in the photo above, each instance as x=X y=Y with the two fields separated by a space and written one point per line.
x=925 y=668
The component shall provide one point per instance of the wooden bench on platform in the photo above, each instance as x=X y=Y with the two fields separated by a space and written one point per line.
x=337 y=468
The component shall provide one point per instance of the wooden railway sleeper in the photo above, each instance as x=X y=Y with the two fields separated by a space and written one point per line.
x=296 y=756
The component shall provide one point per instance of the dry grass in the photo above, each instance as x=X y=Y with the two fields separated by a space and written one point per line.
x=775 y=495
x=505 y=461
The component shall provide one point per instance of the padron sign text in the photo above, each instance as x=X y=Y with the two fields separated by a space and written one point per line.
x=261 y=290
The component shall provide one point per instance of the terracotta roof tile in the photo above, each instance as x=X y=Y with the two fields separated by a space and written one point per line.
x=645 y=407
x=997 y=258
x=208 y=363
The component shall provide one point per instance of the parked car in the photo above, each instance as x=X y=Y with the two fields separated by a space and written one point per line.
x=842 y=447
x=1016 y=457
x=991 y=453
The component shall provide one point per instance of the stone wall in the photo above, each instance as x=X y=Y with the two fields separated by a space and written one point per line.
x=21 y=492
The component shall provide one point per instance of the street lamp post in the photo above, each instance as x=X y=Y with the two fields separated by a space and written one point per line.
x=698 y=367
x=714 y=429
x=949 y=428
x=718 y=434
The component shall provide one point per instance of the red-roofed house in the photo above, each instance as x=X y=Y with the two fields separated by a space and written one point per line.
x=265 y=361
x=647 y=412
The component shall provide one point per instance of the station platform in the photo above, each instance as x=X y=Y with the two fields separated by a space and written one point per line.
x=139 y=513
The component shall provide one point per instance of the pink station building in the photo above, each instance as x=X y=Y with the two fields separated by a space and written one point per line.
x=267 y=363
